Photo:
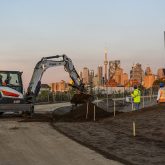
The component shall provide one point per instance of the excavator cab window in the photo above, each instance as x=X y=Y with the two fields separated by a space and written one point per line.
x=11 y=79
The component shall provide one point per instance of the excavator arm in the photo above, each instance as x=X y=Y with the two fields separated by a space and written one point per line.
x=43 y=65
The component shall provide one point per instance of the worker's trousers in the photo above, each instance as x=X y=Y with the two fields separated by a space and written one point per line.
x=136 y=106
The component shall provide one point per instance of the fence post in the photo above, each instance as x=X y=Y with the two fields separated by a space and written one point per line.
x=132 y=106
x=114 y=108
x=123 y=94
x=97 y=101
x=94 y=113
x=107 y=99
x=53 y=97
x=134 y=128
x=87 y=111
x=48 y=96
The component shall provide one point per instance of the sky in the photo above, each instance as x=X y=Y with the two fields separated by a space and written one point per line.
x=130 y=31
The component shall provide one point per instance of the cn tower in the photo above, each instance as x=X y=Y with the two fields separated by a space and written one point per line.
x=105 y=66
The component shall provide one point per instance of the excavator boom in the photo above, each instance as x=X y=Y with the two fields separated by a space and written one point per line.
x=53 y=61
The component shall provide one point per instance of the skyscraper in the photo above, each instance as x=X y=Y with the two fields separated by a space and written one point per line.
x=137 y=73
x=148 y=71
x=85 y=75
x=100 y=75
x=80 y=74
x=113 y=66
x=161 y=73
x=59 y=86
x=91 y=76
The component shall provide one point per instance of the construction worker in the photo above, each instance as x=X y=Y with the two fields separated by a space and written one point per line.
x=7 y=81
x=136 y=94
x=161 y=94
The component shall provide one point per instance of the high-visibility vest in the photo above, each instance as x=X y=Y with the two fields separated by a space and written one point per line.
x=162 y=95
x=136 y=96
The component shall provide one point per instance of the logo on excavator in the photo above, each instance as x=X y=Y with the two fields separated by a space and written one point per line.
x=7 y=93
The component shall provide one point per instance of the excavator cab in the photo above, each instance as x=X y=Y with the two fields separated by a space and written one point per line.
x=11 y=79
x=11 y=93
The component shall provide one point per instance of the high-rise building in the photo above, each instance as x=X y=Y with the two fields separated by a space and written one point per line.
x=161 y=73
x=120 y=77
x=148 y=81
x=137 y=73
x=148 y=71
x=149 y=78
x=125 y=79
x=95 y=80
x=91 y=76
x=59 y=86
x=85 y=75
x=80 y=74
x=113 y=65
x=105 y=67
x=100 y=75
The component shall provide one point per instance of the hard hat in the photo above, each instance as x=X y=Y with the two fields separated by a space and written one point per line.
x=161 y=84
x=71 y=82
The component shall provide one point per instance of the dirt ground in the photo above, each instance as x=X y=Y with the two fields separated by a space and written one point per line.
x=38 y=143
x=113 y=136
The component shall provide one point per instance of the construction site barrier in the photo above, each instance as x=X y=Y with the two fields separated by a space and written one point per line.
x=124 y=104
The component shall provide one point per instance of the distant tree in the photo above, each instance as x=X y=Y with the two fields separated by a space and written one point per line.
x=43 y=96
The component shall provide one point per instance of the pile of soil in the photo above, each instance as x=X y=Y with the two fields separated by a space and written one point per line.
x=113 y=136
x=81 y=98
x=80 y=114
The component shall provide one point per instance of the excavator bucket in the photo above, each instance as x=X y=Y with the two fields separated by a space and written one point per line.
x=81 y=98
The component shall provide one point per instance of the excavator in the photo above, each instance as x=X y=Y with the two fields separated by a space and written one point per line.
x=12 y=97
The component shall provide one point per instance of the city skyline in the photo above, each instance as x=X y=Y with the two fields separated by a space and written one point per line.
x=119 y=78
x=131 y=31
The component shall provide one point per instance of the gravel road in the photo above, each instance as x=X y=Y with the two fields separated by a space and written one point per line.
x=50 y=107
x=37 y=143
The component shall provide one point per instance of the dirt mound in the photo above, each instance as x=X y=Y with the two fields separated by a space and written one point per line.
x=81 y=98
x=80 y=114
